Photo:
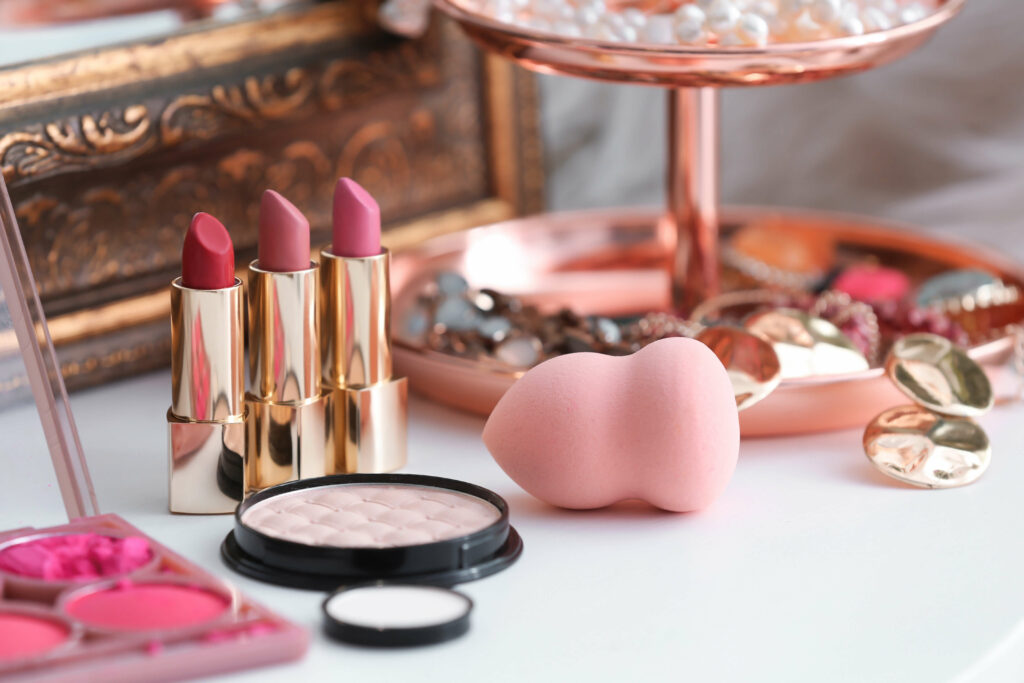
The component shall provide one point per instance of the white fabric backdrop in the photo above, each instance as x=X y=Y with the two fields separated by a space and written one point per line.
x=936 y=139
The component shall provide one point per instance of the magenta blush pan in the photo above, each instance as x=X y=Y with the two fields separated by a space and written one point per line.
x=41 y=566
x=329 y=531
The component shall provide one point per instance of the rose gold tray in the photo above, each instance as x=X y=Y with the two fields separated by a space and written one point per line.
x=691 y=67
x=617 y=261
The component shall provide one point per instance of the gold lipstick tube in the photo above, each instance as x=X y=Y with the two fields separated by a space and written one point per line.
x=206 y=420
x=285 y=404
x=366 y=408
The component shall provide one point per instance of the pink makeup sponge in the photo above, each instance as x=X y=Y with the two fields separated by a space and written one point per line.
x=587 y=430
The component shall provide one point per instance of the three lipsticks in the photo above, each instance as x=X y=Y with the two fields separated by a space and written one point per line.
x=322 y=399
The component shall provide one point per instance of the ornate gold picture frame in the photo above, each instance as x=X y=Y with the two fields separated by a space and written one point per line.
x=108 y=153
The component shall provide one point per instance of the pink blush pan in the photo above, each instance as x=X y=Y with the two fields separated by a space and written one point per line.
x=146 y=607
x=25 y=635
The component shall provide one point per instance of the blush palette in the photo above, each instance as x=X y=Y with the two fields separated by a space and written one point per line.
x=97 y=599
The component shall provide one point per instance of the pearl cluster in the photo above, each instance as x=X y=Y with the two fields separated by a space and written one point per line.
x=707 y=22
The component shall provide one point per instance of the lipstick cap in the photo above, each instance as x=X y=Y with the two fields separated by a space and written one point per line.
x=366 y=428
x=205 y=464
x=285 y=442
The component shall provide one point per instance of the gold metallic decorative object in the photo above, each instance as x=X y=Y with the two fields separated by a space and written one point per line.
x=933 y=373
x=285 y=403
x=366 y=406
x=918 y=447
x=752 y=363
x=806 y=346
x=206 y=420
x=933 y=444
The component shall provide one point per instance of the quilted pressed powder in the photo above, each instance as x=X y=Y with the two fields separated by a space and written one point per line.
x=370 y=516
x=325 y=532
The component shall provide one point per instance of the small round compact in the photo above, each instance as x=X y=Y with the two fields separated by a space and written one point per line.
x=322 y=533
x=390 y=615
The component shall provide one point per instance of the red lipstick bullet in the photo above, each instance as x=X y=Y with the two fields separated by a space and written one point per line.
x=208 y=257
x=206 y=425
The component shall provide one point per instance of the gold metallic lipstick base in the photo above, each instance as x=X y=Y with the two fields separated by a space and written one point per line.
x=285 y=405
x=205 y=465
x=366 y=429
x=206 y=421
x=285 y=443
x=366 y=425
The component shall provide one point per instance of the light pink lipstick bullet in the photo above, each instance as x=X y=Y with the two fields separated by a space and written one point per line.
x=284 y=235
x=356 y=221
x=366 y=403
x=285 y=423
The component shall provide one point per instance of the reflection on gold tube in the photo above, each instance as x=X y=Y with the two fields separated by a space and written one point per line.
x=366 y=423
x=286 y=409
x=206 y=421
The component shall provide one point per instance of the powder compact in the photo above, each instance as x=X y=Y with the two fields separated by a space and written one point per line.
x=340 y=530
x=96 y=599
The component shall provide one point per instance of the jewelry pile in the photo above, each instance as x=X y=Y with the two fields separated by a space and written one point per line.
x=706 y=23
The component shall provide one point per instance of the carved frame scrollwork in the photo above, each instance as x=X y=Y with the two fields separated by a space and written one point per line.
x=108 y=153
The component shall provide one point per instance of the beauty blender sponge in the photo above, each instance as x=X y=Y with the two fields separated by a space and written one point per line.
x=586 y=430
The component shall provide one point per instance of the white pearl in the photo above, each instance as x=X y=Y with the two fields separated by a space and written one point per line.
x=890 y=7
x=753 y=29
x=701 y=5
x=659 y=30
x=851 y=26
x=690 y=13
x=806 y=28
x=876 y=20
x=722 y=16
x=915 y=12
x=586 y=17
x=689 y=32
x=634 y=17
x=627 y=34
x=615 y=21
x=568 y=29
x=825 y=11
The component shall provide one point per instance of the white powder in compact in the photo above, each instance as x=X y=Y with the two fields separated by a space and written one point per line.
x=397 y=606
x=370 y=515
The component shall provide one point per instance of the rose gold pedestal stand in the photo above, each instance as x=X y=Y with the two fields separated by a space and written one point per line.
x=684 y=242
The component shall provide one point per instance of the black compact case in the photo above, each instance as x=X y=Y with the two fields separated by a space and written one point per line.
x=442 y=563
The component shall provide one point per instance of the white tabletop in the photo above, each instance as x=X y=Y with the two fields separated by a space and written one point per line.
x=811 y=567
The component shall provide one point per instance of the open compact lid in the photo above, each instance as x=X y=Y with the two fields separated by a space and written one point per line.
x=386 y=614
x=35 y=416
